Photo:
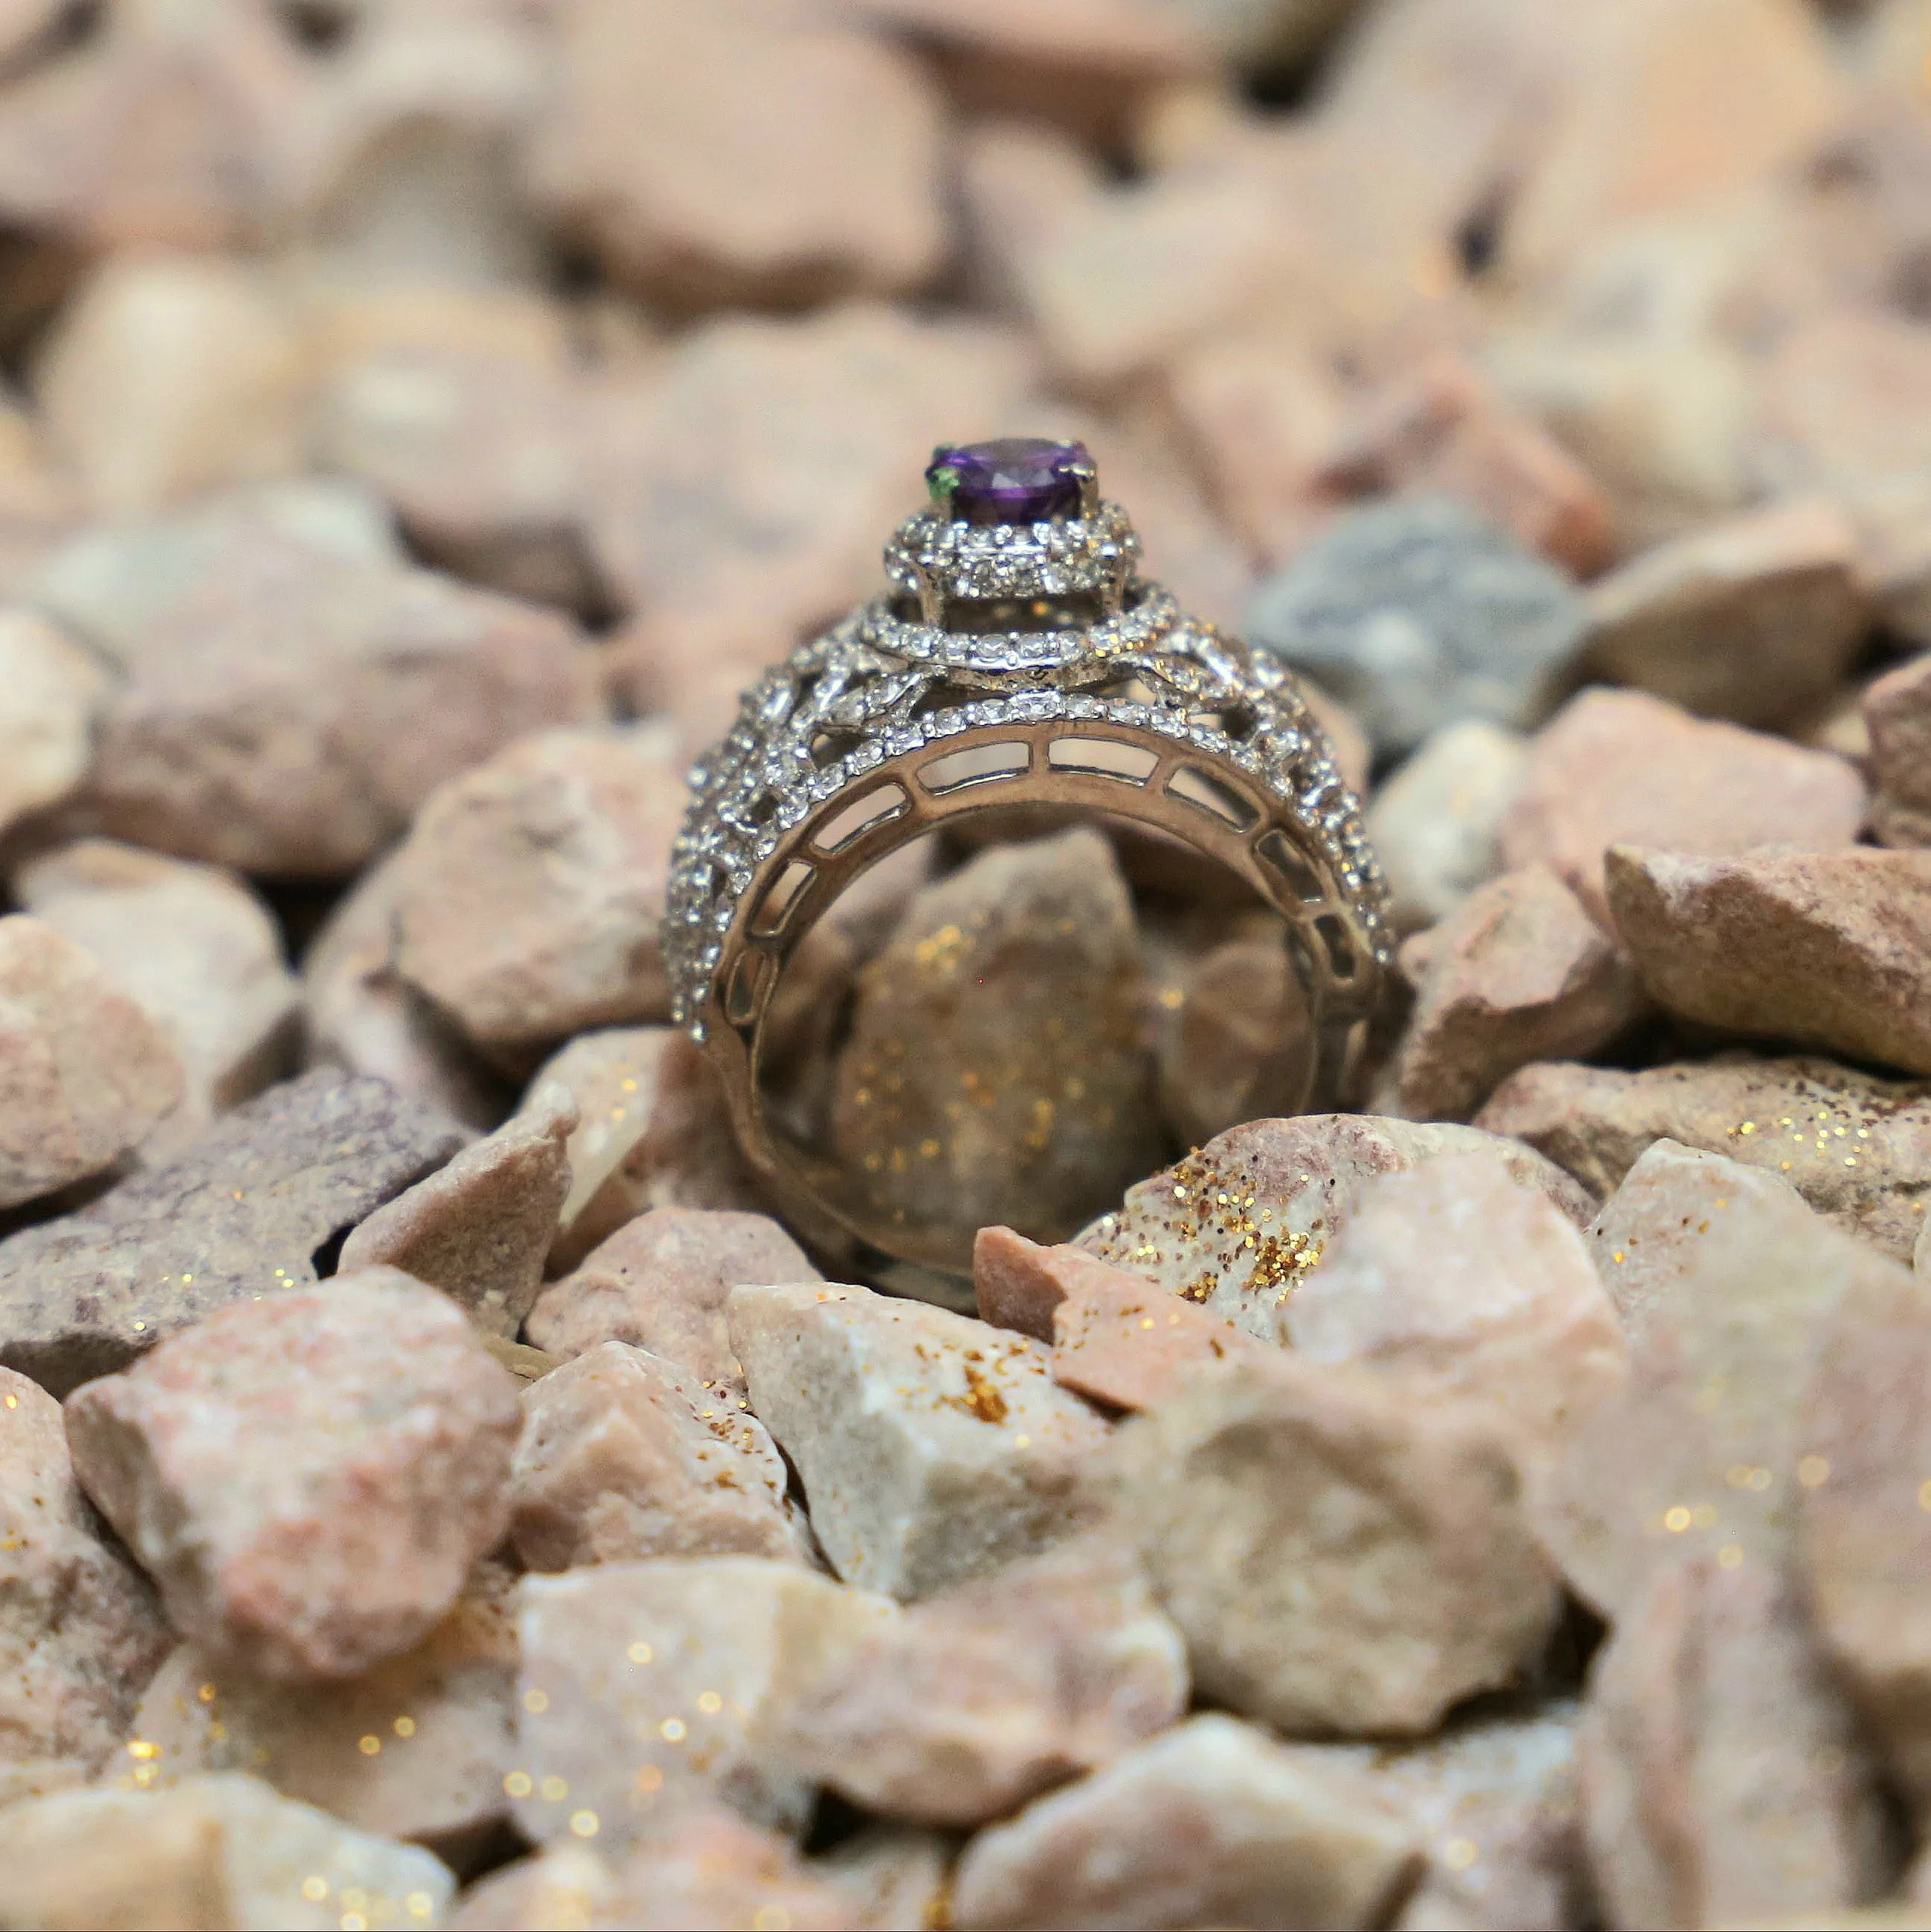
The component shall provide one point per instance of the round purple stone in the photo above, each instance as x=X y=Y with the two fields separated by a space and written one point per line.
x=1016 y=479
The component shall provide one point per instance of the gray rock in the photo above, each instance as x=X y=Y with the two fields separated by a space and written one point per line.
x=1416 y=614
x=250 y=1208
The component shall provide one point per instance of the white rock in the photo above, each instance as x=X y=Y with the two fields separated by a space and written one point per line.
x=49 y=690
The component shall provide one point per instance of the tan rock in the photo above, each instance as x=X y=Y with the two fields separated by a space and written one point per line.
x=1434 y=825
x=1861 y=1522
x=646 y=1686
x=1755 y=619
x=53 y=690
x=1857 y=1148
x=981 y=1697
x=932 y=1448
x=746 y=154
x=210 y=1853
x=994 y=1070
x=661 y=1283
x=1518 y=972
x=1830 y=949
x=1235 y=1227
x=480 y=1227
x=1463 y=1280
x=655 y=1133
x=1212 y=1823
x=1619 y=767
x=414 y=1748
x=194 y=947
x=1723 y=1779
x=85 y=1074
x=531 y=889
x=1841 y=401
x=287 y=712
x=172 y=374
x=1723 y=1277
x=252 y=1206
x=1897 y=709
x=82 y=1632
x=1342 y=1559
x=1023 y=187
x=308 y=1478
x=623 y=1455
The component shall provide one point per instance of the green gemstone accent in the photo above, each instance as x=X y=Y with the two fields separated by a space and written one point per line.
x=941 y=482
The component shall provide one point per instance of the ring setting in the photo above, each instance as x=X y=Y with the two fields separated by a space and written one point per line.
x=1017 y=658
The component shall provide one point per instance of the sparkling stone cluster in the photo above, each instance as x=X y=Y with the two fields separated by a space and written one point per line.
x=1094 y=554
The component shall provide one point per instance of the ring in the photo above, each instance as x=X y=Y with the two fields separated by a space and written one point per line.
x=1017 y=658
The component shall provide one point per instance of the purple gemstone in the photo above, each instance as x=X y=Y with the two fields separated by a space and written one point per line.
x=1017 y=479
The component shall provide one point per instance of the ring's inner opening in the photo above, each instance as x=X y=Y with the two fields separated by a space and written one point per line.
x=1013 y=1023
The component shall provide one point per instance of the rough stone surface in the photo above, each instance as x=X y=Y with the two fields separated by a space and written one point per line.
x=1621 y=768
x=647 y=1685
x=1823 y=950
x=1463 y=1280
x=983 y=1697
x=995 y=1070
x=654 y=1133
x=85 y=1074
x=1416 y=615
x=530 y=891
x=1212 y=1823
x=1722 y=1777
x=1235 y=1227
x=661 y=1282
x=1857 y=1148
x=212 y=1852
x=414 y=1748
x=81 y=1631
x=243 y=1211
x=196 y=950
x=1342 y=1557
x=1518 y=972
x=53 y=690
x=1723 y=1277
x=623 y=1455
x=1897 y=710
x=1017 y=1284
x=309 y=1505
x=1756 y=620
x=1435 y=824
x=741 y=153
x=1862 y=1529
x=480 y=1228
x=931 y=1447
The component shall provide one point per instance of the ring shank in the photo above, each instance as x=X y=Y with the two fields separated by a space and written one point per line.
x=1172 y=785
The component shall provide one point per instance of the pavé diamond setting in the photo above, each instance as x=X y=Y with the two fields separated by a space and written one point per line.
x=1017 y=658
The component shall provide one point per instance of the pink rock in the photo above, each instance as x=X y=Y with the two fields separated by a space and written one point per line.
x=84 y=1073
x=1723 y=1781
x=1723 y=1278
x=1212 y=1823
x=1468 y=1284
x=1863 y=1530
x=1619 y=767
x=1857 y=1148
x=661 y=1282
x=1344 y=1556
x=1018 y=1283
x=1897 y=709
x=54 y=688
x=1518 y=972
x=530 y=893
x=655 y=1133
x=479 y=1229
x=624 y=1455
x=1841 y=401
x=82 y=1632
x=1830 y=949
x=414 y=1748
x=308 y=1478
x=743 y=153
x=1236 y=1226
x=1023 y=187
x=979 y=1698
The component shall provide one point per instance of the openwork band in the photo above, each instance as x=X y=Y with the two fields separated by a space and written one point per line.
x=1011 y=665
